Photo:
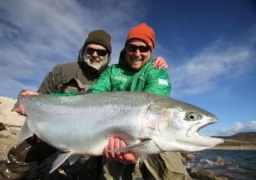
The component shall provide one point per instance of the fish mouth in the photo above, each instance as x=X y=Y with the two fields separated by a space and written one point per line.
x=197 y=127
x=200 y=140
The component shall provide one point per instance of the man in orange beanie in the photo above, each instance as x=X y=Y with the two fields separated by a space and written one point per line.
x=135 y=72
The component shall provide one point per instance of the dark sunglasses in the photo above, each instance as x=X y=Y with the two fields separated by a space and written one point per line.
x=133 y=48
x=100 y=52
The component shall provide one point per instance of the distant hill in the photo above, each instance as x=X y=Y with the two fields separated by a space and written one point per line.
x=238 y=141
x=240 y=135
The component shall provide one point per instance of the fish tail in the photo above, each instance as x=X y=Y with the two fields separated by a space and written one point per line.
x=16 y=105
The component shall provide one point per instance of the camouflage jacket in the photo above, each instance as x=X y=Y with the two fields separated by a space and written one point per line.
x=68 y=77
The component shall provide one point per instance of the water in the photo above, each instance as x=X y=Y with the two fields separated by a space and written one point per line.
x=239 y=165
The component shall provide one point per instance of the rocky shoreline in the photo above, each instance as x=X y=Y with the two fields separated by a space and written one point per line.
x=10 y=123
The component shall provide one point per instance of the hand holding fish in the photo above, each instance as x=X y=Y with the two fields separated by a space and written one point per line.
x=116 y=142
x=20 y=108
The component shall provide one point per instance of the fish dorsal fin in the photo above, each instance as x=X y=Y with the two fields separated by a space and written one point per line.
x=60 y=160
x=131 y=147
x=25 y=132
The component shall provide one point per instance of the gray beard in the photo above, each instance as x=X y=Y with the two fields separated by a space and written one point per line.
x=97 y=66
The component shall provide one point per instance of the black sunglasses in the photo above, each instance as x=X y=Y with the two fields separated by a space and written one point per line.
x=133 y=48
x=100 y=52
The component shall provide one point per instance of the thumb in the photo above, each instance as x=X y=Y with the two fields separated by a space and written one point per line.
x=29 y=93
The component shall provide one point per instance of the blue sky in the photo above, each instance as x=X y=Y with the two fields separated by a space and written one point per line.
x=210 y=47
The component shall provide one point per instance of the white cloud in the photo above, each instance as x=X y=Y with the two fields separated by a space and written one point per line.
x=221 y=60
x=239 y=127
x=193 y=90
x=36 y=35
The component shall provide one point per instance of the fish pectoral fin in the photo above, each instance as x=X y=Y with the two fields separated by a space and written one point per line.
x=73 y=158
x=132 y=147
x=25 y=132
x=60 y=160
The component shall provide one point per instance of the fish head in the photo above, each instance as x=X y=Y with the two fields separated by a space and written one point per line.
x=181 y=133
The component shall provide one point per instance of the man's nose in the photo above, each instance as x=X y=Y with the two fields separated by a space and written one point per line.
x=95 y=54
x=137 y=52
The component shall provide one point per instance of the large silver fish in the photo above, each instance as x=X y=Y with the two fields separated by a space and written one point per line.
x=81 y=125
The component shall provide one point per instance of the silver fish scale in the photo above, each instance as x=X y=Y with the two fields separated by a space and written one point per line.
x=79 y=122
x=62 y=104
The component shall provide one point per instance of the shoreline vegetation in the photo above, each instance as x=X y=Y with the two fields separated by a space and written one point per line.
x=225 y=147
x=238 y=141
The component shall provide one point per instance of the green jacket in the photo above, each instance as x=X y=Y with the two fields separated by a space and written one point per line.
x=120 y=77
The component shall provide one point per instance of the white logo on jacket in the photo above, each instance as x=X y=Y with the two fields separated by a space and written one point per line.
x=163 y=82
x=120 y=78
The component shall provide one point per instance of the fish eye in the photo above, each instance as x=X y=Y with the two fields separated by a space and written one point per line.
x=193 y=116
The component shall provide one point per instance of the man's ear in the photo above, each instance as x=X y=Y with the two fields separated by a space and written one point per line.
x=109 y=58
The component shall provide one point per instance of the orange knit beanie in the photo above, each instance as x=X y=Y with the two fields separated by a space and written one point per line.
x=143 y=32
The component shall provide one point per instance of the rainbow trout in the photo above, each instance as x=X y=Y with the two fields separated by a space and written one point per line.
x=81 y=125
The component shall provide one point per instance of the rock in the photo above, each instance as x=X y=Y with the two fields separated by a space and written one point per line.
x=201 y=174
x=5 y=134
x=7 y=141
x=219 y=161
x=7 y=117
x=10 y=123
x=190 y=157
x=187 y=157
x=2 y=127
